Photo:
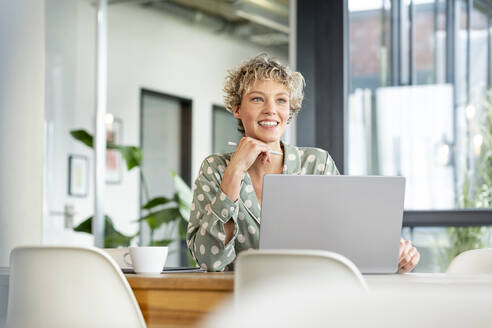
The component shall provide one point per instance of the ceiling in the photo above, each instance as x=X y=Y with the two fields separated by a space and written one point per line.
x=263 y=22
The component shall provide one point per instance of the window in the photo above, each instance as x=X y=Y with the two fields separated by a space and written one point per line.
x=419 y=71
x=224 y=130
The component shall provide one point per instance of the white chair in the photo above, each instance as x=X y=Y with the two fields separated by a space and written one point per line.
x=475 y=261
x=288 y=304
x=54 y=286
x=320 y=269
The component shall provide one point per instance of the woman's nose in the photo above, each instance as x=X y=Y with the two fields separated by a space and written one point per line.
x=270 y=107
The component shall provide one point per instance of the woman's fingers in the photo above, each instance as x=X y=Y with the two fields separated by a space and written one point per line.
x=405 y=247
x=249 y=149
x=411 y=264
x=408 y=256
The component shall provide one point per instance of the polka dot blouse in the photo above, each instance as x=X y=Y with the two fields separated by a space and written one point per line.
x=211 y=208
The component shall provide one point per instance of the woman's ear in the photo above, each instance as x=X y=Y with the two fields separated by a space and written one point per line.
x=235 y=111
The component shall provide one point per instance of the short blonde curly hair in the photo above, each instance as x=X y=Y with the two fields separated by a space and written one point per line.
x=262 y=67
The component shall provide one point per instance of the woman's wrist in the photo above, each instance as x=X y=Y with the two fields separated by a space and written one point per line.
x=231 y=182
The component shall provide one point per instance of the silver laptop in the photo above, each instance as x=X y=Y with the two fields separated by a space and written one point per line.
x=359 y=217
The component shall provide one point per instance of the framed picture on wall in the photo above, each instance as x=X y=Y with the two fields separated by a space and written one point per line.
x=78 y=173
x=114 y=130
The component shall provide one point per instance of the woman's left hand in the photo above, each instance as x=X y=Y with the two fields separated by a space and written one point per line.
x=409 y=256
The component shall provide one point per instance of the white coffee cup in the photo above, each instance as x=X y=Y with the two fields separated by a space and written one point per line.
x=147 y=260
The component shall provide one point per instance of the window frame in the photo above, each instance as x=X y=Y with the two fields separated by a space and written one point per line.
x=322 y=57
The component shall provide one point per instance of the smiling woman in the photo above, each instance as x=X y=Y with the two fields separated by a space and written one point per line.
x=225 y=214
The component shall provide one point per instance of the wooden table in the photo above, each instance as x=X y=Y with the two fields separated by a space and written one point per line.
x=180 y=299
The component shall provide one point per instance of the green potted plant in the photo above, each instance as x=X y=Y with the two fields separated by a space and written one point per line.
x=476 y=193
x=157 y=211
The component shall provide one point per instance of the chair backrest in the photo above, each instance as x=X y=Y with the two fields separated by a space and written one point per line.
x=321 y=268
x=56 y=286
x=475 y=261
x=287 y=303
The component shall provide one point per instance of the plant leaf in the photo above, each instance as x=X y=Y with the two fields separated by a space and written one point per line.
x=132 y=155
x=156 y=202
x=158 y=218
x=185 y=196
x=182 y=188
x=162 y=242
x=191 y=260
x=184 y=209
x=182 y=226
x=83 y=136
x=112 y=237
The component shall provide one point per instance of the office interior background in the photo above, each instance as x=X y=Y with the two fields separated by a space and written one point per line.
x=417 y=75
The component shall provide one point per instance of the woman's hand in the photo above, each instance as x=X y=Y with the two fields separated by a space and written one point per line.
x=248 y=150
x=409 y=256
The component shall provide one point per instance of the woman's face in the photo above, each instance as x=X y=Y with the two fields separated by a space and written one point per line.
x=264 y=110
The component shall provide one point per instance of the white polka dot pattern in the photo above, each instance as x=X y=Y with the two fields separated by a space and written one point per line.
x=208 y=206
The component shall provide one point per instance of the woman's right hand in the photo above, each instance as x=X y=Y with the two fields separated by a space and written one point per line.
x=248 y=150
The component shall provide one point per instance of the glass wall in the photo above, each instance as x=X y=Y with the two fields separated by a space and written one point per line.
x=418 y=107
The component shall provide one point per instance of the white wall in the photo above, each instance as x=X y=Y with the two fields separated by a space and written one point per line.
x=147 y=49
x=21 y=123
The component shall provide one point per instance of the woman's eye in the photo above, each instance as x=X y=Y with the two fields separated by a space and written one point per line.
x=257 y=99
x=282 y=100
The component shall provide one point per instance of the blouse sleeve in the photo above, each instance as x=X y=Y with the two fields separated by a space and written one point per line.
x=330 y=166
x=210 y=210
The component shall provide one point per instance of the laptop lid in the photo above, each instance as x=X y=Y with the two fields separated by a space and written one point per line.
x=359 y=217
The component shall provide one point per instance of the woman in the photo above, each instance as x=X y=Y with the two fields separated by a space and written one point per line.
x=225 y=215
